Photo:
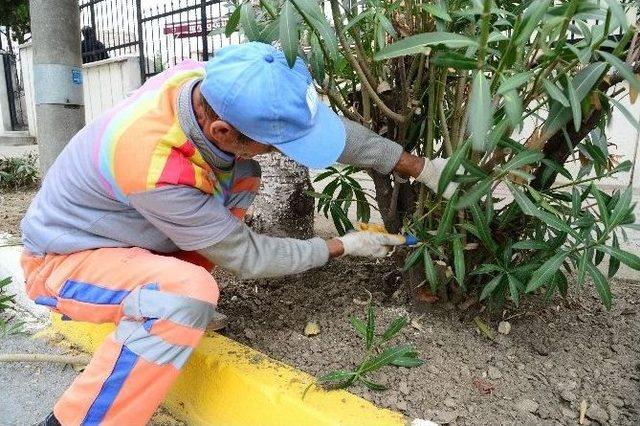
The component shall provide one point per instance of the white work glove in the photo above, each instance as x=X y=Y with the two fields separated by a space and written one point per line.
x=371 y=244
x=430 y=176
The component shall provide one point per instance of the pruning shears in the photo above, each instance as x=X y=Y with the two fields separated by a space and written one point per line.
x=410 y=240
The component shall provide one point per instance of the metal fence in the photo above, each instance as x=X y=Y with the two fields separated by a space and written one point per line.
x=162 y=32
x=10 y=72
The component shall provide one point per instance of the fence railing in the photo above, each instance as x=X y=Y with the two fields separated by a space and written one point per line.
x=162 y=34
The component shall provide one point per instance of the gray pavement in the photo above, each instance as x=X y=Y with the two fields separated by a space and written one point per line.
x=28 y=391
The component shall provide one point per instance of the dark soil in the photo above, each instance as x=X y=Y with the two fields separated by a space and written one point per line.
x=556 y=355
x=13 y=206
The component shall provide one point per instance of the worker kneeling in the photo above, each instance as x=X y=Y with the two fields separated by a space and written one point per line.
x=145 y=199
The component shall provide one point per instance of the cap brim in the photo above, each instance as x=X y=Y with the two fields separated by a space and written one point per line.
x=322 y=146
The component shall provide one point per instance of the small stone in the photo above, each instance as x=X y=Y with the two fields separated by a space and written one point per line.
x=249 y=333
x=443 y=416
x=504 y=327
x=450 y=402
x=234 y=298
x=614 y=414
x=494 y=373
x=617 y=402
x=527 y=406
x=568 y=413
x=403 y=387
x=568 y=396
x=311 y=329
x=402 y=405
x=597 y=413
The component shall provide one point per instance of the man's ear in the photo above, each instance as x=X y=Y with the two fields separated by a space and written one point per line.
x=220 y=131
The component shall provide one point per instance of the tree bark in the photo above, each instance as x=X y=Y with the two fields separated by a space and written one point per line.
x=283 y=208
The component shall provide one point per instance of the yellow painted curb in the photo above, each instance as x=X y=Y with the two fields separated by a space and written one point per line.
x=229 y=384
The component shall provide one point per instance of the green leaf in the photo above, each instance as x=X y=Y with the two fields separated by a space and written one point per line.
x=418 y=44
x=385 y=358
x=513 y=105
x=289 y=38
x=555 y=93
x=405 y=361
x=446 y=221
x=614 y=262
x=232 y=23
x=587 y=78
x=452 y=165
x=367 y=14
x=627 y=114
x=316 y=19
x=474 y=193
x=458 y=260
x=514 y=288
x=372 y=385
x=486 y=269
x=545 y=272
x=450 y=59
x=480 y=111
x=484 y=328
x=602 y=205
x=576 y=108
x=250 y=26
x=393 y=329
x=482 y=226
x=437 y=11
x=371 y=326
x=359 y=326
x=616 y=9
x=619 y=213
x=522 y=159
x=582 y=267
x=530 y=245
x=430 y=270
x=601 y=283
x=629 y=259
x=412 y=259
x=514 y=82
x=530 y=209
x=317 y=65
x=336 y=376
x=532 y=16
x=491 y=286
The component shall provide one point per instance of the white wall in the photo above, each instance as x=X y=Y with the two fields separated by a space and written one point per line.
x=105 y=83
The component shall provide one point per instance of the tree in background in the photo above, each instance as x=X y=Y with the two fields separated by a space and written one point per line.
x=14 y=14
x=511 y=92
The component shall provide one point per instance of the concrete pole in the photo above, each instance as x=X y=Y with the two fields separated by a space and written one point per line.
x=57 y=75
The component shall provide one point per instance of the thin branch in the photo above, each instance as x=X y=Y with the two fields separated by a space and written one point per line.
x=337 y=21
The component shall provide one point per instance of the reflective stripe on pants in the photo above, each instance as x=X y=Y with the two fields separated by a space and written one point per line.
x=161 y=305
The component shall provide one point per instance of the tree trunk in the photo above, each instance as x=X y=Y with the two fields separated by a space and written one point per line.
x=282 y=208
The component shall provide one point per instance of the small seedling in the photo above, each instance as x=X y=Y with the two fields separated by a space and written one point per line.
x=6 y=303
x=378 y=354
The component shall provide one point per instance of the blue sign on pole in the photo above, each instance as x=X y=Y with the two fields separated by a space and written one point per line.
x=76 y=76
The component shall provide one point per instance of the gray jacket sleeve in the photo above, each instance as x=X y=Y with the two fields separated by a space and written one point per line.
x=368 y=150
x=250 y=255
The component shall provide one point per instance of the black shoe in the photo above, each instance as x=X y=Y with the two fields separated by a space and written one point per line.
x=50 y=421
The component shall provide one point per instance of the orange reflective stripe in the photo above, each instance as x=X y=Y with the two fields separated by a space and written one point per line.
x=75 y=402
x=176 y=334
x=144 y=389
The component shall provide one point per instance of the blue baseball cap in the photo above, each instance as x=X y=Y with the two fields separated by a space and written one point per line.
x=252 y=87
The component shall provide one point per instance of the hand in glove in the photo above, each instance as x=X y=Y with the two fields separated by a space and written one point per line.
x=430 y=176
x=367 y=243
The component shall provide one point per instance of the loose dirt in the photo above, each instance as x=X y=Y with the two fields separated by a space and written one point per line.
x=13 y=206
x=556 y=356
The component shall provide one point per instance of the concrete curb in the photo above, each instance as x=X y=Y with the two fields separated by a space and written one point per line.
x=225 y=382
